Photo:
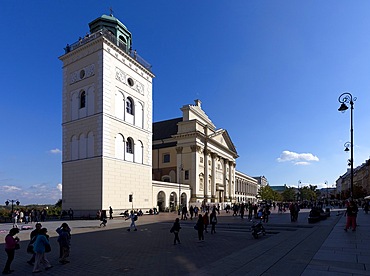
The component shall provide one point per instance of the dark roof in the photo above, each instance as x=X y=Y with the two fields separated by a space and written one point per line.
x=165 y=129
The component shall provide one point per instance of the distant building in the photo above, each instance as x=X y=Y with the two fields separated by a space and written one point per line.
x=361 y=177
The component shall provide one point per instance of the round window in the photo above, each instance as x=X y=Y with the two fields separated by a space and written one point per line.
x=130 y=82
x=82 y=74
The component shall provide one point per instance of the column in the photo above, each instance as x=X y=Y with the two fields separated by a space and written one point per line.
x=213 y=187
x=226 y=162
x=206 y=175
x=180 y=171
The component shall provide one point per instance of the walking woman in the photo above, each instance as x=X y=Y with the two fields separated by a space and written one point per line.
x=213 y=219
x=11 y=244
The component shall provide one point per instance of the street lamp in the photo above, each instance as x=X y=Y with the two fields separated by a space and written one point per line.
x=346 y=98
x=327 y=191
x=299 y=183
x=16 y=201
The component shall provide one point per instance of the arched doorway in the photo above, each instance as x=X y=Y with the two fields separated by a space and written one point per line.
x=183 y=200
x=161 y=201
x=173 y=201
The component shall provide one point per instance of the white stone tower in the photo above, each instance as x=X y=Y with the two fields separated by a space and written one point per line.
x=106 y=122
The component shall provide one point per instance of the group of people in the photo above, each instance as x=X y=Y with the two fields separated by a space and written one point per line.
x=200 y=226
x=26 y=216
x=39 y=245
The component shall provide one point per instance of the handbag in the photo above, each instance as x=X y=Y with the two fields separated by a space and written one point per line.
x=17 y=246
x=47 y=248
x=196 y=226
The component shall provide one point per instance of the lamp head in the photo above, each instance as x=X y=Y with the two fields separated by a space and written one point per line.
x=346 y=149
x=343 y=107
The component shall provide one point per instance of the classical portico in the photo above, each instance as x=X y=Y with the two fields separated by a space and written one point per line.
x=205 y=156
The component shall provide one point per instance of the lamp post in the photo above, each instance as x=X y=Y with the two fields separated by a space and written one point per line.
x=346 y=98
x=299 y=183
x=16 y=201
x=327 y=192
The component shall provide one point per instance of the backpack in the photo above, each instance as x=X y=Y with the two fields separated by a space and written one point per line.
x=135 y=218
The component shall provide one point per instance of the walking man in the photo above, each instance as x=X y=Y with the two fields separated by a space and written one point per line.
x=133 y=218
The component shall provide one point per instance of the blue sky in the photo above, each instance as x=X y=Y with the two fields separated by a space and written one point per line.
x=269 y=72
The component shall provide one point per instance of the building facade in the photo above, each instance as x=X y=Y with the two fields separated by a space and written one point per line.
x=106 y=121
x=361 y=179
x=190 y=150
x=112 y=152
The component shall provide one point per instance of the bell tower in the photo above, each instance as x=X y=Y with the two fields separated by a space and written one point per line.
x=106 y=122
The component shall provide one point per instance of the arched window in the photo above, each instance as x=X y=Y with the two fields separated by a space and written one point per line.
x=129 y=146
x=129 y=106
x=119 y=146
x=83 y=99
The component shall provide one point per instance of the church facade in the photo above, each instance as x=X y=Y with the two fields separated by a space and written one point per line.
x=113 y=154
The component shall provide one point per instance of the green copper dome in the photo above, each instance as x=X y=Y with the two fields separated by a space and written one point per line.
x=114 y=26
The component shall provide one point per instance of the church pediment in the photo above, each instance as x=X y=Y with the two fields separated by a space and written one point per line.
x=222 y=137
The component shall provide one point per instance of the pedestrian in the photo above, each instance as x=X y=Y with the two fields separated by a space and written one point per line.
x=175 y=230
x=11 y=244
x=33 y=237
x=266 y=213
x=64 y=241
x=70 y=213
x=206 y=221
x=184 y=213
x=40 y=246
x=351 y=214
x=133 y=218
x=26 y=216
x=200 y=227
x=15 y=215
x=191 y=211
x=110 y=212
x=103 y=218
x=250 y=211
x=213 y=220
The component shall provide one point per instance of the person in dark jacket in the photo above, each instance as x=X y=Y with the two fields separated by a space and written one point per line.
x=175 y=230
x=11 y=243
x=64 y=241
x=213 y=220
x=200 y=227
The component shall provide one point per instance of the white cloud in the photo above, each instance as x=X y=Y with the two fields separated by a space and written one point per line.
x=59 y=187
x=297 y=158
x=7 y=189
x=302 y=163
x=55 y=151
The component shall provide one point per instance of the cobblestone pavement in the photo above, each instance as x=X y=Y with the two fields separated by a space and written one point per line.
x=287 y=249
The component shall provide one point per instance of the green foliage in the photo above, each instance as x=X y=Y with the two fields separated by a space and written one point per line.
x=289 y=194
x=307 y=193
x=266 y=193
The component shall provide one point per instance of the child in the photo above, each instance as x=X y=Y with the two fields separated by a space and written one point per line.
x=64 y=241
x=176 y=229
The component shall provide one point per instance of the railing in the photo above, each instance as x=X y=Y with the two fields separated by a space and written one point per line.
x=108 y=35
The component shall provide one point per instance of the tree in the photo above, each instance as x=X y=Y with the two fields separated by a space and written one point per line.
x=308 y=193
x=266 y=193
x=289 y=194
